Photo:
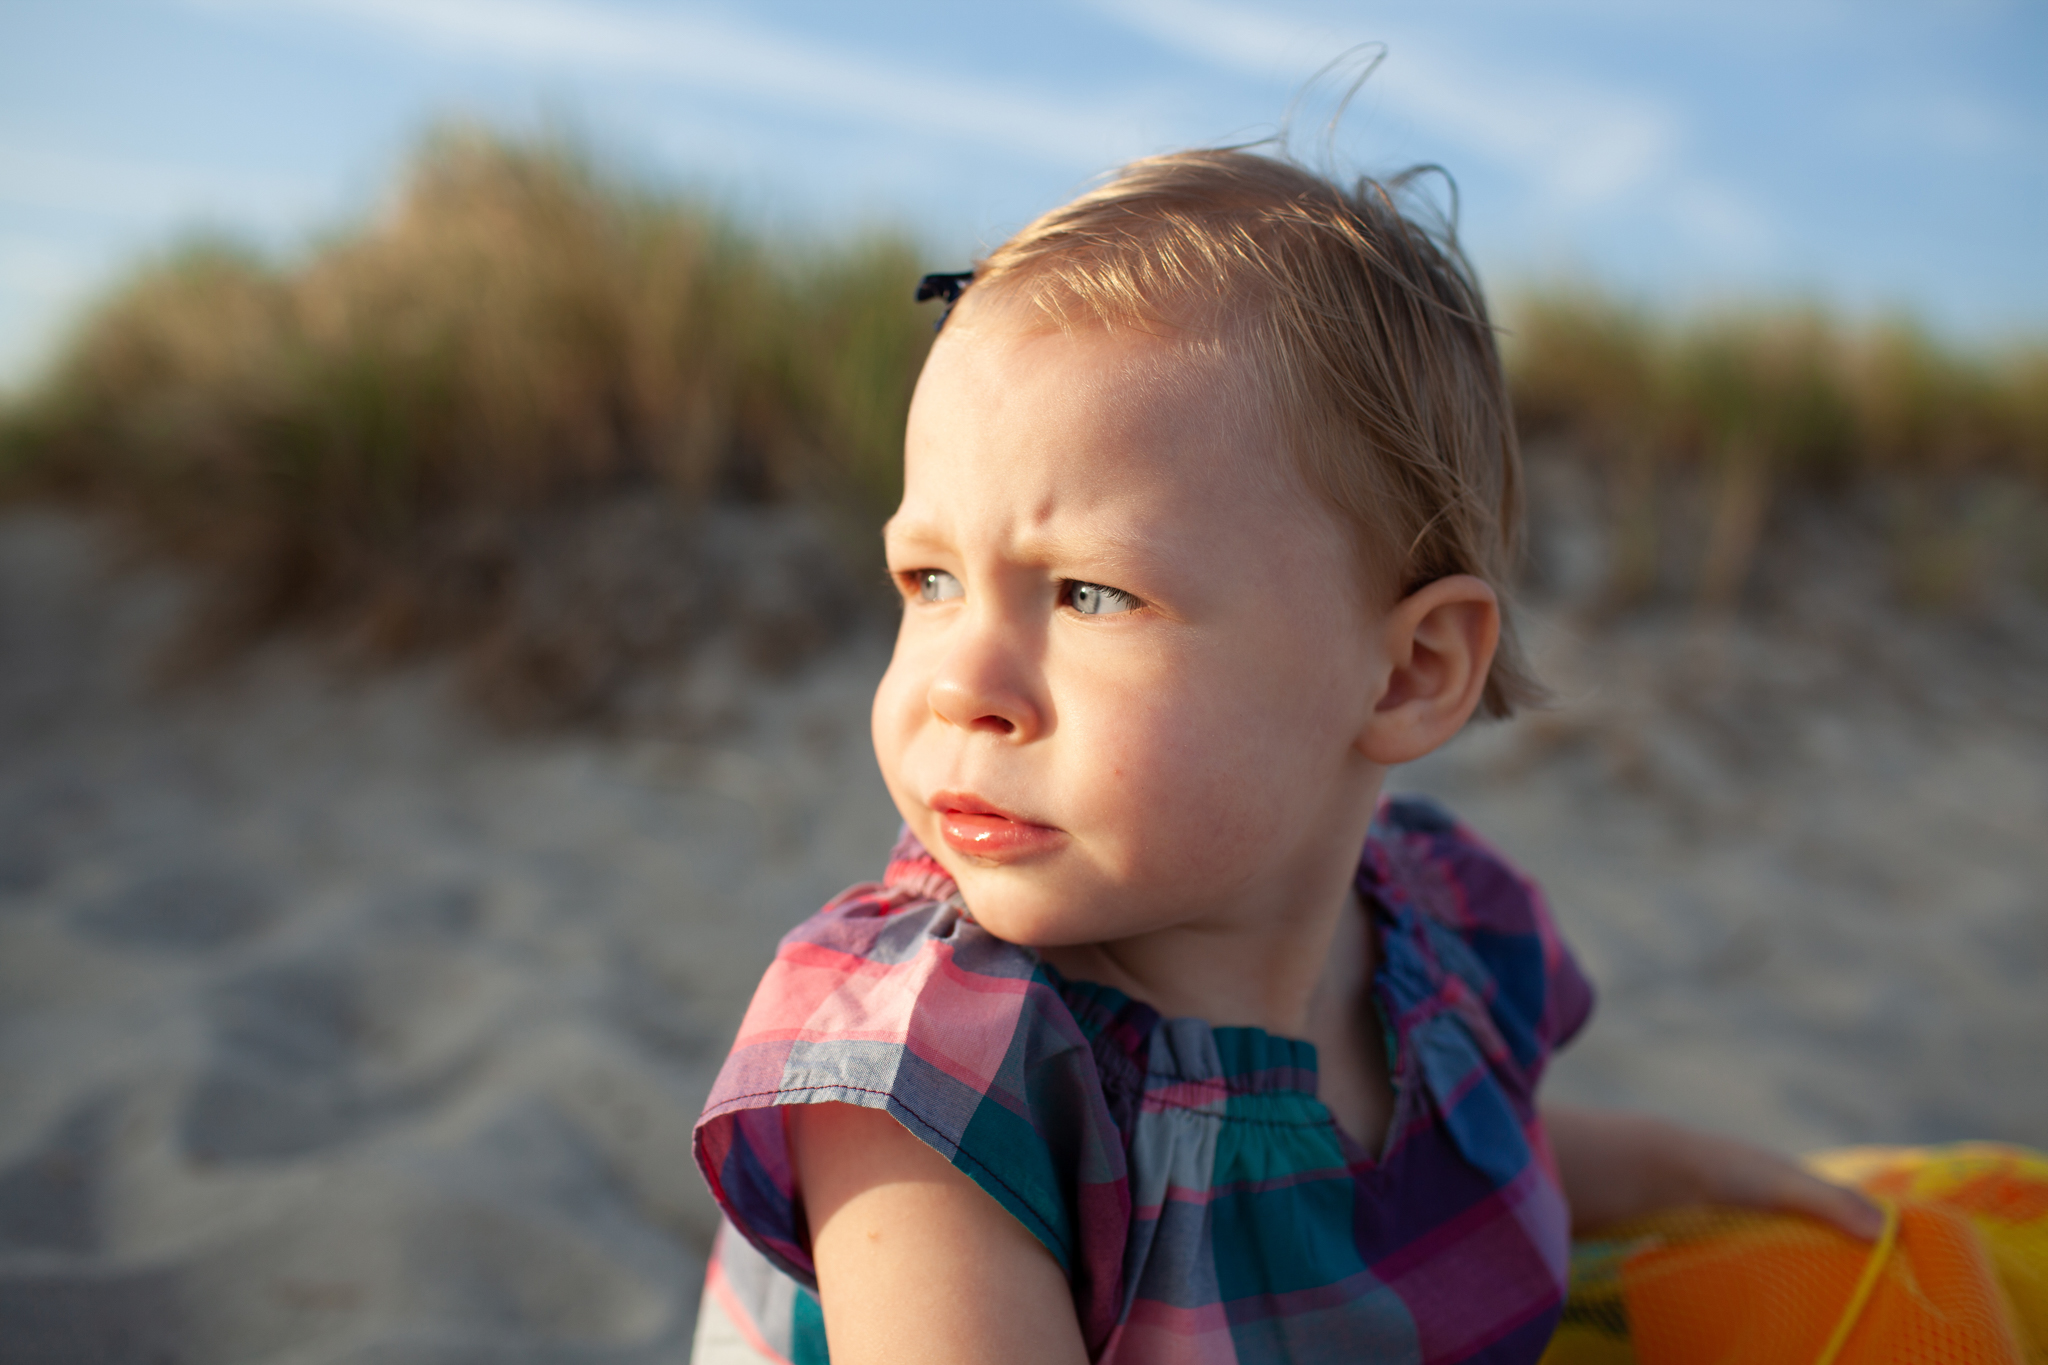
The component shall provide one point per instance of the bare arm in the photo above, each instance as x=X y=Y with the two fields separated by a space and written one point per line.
x=1617 y=1166
x=917 y=1263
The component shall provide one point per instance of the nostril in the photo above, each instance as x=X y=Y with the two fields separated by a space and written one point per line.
x=969 y=701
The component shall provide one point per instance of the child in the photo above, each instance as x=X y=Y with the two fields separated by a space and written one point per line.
x=1166 y=1038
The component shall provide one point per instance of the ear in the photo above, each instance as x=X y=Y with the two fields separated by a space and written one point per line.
x=1438 y=642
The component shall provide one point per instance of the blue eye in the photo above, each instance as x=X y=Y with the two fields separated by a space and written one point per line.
x=1093 y=599
x=936 y=585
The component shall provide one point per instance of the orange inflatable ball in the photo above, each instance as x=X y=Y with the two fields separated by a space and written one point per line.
x=1959 y=1276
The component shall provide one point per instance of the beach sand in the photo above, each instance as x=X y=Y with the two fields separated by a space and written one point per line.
x=338 y=1026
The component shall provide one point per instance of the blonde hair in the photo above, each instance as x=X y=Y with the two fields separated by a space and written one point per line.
x=1365 y=326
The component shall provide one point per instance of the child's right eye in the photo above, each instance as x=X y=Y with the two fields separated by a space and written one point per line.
x=936 y=585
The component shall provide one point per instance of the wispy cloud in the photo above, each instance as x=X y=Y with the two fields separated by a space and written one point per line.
x=1583 y=144
x=43 y=274
x=145 y=193
x=43 y=281
x=1947 y=122
x=1577 y=147
x=717 y=53
x=1773 y=22
x=1728 y=224
x=71 y=214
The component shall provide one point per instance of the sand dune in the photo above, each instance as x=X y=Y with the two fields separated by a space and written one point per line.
x=337 y=1027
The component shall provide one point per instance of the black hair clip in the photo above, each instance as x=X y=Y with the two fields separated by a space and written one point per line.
x=947 y=287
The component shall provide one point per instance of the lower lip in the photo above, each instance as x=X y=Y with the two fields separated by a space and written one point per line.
x=994 y=838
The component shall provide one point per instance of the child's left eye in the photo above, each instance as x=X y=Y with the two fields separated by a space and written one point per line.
x=1093 y=599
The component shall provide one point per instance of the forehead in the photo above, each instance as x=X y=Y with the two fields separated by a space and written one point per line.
x=1094 y=418
x=1122 y=459
x=1118 y=458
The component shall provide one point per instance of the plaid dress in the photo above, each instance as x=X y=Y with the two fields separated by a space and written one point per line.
x=1201 y=1200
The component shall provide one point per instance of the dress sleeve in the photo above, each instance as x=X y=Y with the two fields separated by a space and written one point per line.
x=906 y=1005
x=1501 y=936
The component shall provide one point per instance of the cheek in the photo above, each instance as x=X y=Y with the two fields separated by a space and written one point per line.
x=1187 y=775
x=899 y=702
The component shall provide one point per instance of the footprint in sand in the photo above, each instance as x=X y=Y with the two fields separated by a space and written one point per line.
x=189 y=909
x=50 y=1197
x=312 y=1053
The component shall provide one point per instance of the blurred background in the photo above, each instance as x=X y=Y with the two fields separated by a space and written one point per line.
x=441 y=446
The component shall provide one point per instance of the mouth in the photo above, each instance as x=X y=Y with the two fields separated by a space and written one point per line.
x=975 y=828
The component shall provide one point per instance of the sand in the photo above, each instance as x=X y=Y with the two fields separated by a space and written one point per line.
x=337 y=1026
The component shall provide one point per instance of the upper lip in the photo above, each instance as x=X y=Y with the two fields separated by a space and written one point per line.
x=967 y=803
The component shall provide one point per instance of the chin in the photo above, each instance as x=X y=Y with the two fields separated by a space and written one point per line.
x=1026 y=919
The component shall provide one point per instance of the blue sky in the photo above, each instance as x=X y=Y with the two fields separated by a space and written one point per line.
x=1872 y=155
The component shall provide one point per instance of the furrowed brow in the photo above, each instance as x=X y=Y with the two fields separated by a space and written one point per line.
x=912 y=534
x=1138 y=563
x=1135 y=562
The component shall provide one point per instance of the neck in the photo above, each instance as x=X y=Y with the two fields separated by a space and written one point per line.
x=1279 y=962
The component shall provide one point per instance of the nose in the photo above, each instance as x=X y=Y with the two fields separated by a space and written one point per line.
x=986 y=681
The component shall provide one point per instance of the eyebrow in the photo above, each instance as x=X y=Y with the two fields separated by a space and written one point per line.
x=1113 y=557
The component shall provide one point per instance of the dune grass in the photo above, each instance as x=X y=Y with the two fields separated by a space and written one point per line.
x=1700 y=427
x=521 y=333
x=519 y=327
x=383 y=429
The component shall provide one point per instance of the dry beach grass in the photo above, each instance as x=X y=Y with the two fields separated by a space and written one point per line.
x=432 y=428
x=340 y=1024
x=518 y=386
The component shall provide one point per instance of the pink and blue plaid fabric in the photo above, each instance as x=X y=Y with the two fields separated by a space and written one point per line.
x=1200 y=1198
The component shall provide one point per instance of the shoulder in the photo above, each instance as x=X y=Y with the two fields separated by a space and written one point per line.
x=878 y=983
x=1485 y=922
x=1419 y=849
x=894 y=962
x=893 y=999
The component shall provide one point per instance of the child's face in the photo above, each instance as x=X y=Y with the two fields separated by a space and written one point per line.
x=1135 y=657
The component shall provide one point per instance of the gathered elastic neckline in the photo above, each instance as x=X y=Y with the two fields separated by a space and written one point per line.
x=1241 y=1059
